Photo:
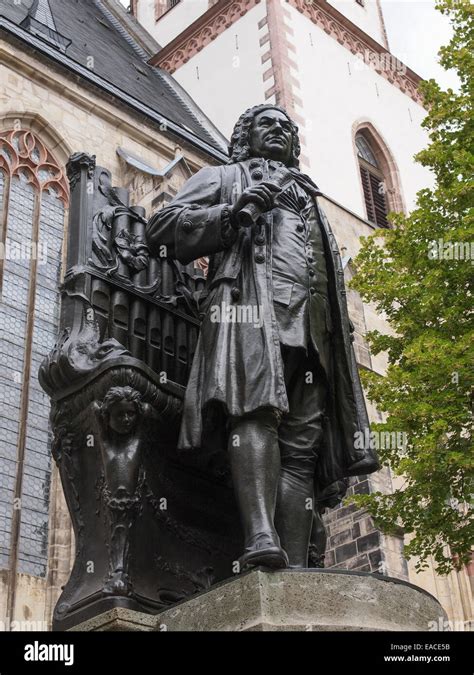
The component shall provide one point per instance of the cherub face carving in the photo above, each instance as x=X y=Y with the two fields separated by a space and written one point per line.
x=123 y=417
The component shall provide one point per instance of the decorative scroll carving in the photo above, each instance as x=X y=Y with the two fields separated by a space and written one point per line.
x=122 y=253
x=76 y=162
x=132 y=250
x=102 y=430
x=76 y=355
x=116 y=377
x=125 y=246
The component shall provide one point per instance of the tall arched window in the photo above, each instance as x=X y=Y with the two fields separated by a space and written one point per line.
x=33 y=198
x=380 y=177
x=374 y=182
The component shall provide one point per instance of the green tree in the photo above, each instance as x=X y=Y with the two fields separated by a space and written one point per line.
x=426 y=295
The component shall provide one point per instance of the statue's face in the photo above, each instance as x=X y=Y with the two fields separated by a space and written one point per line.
x=270 y=136
x=123 y=417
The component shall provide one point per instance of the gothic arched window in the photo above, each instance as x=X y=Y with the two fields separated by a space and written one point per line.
x=33 y=197
x=374 y=183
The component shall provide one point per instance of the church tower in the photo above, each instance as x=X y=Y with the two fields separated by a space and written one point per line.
x=327 y=63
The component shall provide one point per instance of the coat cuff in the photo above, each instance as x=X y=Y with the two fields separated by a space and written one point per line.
x=204 y=231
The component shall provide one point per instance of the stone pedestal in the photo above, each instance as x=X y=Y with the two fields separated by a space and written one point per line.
x=290 y=600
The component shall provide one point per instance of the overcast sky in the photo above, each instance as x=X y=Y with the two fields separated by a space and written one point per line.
x=416 y=31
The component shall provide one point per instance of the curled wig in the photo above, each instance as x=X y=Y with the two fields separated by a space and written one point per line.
x=239 y=148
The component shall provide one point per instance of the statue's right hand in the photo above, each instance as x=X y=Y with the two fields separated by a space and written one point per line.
x=262 y=195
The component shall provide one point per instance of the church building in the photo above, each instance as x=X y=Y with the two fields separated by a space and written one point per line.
x=153 y=90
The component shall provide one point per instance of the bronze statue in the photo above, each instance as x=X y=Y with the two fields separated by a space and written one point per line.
x=250 y=371
x=274 y=359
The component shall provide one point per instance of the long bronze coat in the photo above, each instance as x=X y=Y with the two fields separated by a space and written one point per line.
x=235 y=364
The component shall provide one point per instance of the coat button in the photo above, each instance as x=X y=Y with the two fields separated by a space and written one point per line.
x=257 y=174
x=202 y=316
x=310 y=258
x=260 y=258
x=311 y=273
x=235 y=293
x=260 y=239
x=312 y=290
x=187 y=226
x=300 y=228
x=254 y=164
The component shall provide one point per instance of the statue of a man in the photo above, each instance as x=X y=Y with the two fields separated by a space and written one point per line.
x=275 y=353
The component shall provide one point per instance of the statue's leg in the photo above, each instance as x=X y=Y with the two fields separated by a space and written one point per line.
x=300 y=434
x=255 y=465
x=318 y=541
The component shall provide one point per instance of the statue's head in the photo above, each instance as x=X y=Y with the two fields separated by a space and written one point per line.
x=121 y=408
x=265 y=131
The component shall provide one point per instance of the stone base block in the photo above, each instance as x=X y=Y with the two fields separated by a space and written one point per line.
x=118 y=619
x=291 y=600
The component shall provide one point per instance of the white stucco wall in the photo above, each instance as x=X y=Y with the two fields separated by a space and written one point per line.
x=186 y=11
x=173 y=22
x=337 y=91
x=225 y=78
x=366 y=17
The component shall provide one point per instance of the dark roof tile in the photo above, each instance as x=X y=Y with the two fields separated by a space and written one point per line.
x=103 y=44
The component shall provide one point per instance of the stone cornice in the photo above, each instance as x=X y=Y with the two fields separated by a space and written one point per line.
x=335 y=24
x=226 y=12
